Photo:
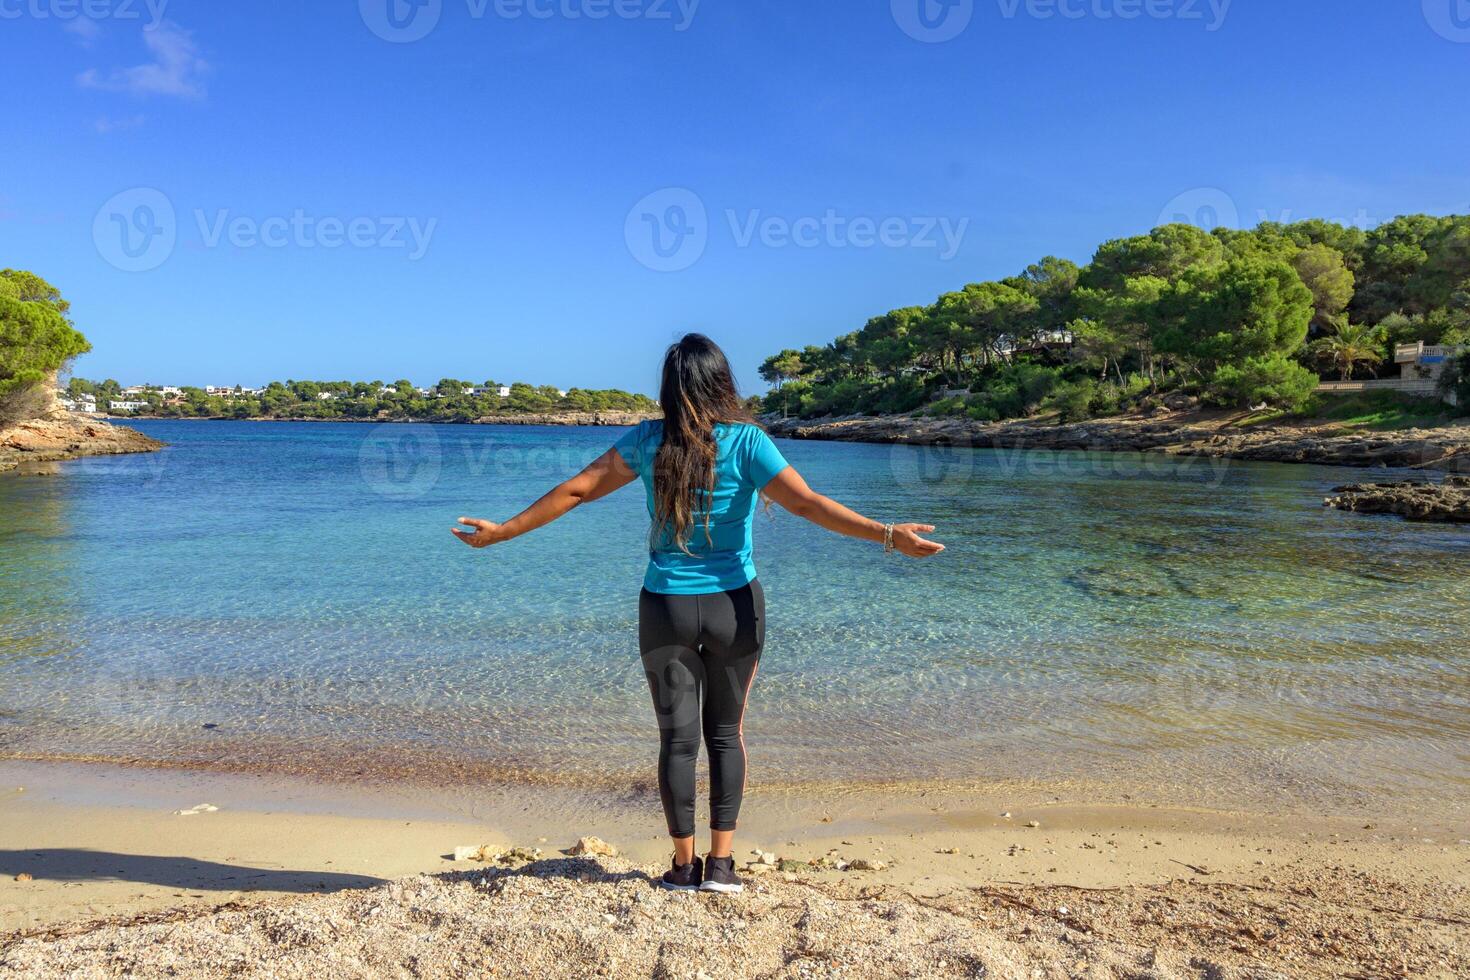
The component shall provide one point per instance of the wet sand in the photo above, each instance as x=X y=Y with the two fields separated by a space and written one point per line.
x=93 y=854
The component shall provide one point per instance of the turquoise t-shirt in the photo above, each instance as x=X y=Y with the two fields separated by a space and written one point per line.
x=746 y=461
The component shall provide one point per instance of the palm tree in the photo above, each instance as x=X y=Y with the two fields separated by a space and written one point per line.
x=1352 y=345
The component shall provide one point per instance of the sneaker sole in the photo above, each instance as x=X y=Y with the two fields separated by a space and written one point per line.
x=715 y=886
x=678 y=888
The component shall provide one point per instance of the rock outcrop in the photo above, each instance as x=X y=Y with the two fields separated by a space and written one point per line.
x=1445 y=448
x=1416 y=501
x=67 y=435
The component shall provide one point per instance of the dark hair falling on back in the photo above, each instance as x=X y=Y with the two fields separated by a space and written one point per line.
x=697 y=393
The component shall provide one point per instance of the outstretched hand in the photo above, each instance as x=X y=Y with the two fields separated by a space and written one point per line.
x=906 y=540
x=484 y=532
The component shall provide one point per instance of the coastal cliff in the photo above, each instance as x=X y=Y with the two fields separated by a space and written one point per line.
x=1446 y=448
x=67 y=435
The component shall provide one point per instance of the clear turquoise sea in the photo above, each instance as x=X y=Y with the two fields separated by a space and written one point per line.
x=287 y=597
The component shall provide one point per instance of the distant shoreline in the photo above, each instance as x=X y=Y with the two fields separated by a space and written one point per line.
x=532 y=418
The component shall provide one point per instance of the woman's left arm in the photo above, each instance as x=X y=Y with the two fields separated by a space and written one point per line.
x=607 y=473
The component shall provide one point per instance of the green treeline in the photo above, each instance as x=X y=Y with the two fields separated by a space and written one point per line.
x=37 y=339
x=1234 y=317
x=448 y=401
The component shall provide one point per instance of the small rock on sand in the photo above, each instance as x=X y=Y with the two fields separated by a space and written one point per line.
x=1033 y=823
x=594 y=846
x=493 y=853
x=194 y=810
x=516 y=855
x=865 y=864
x=23 y=876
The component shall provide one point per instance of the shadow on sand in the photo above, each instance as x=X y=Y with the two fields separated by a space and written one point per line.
x=587 y=869
x=80 y=864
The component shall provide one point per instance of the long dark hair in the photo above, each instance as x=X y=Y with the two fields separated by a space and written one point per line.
x=697 y=393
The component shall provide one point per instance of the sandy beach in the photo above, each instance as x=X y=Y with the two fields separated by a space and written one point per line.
x=111 y=871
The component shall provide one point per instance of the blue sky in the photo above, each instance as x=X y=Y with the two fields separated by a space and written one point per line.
x=308 y=191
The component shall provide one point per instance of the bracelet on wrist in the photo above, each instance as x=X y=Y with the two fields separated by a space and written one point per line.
x=887 y=539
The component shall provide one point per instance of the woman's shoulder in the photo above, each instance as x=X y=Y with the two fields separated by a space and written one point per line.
x=639 y=443
x=741 y=430
x=742 y=439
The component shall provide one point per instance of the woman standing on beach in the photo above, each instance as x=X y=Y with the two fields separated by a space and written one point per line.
x=701 y=615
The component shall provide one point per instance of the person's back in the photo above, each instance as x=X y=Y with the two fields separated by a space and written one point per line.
x=717 y=556
x=702 y=612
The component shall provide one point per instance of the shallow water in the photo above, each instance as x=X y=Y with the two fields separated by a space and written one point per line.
x=287 y=597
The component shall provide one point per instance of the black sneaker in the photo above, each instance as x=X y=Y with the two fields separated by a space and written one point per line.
x=683 y=877
x=720 y=876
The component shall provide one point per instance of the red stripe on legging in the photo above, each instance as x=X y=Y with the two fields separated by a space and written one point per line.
x=744 y=701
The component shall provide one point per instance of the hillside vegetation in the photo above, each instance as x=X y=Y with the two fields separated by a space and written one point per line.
x=1237 y=318
x=37 y=339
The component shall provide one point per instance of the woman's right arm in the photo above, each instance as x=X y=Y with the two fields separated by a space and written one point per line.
x=789 y=490
x=602 y=476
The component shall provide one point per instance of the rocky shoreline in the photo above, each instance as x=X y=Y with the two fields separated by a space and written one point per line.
x=68 y=435
x=1181 y=434
x=1413 y=500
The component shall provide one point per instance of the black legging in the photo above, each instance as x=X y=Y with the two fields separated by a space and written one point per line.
x=701 y=649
